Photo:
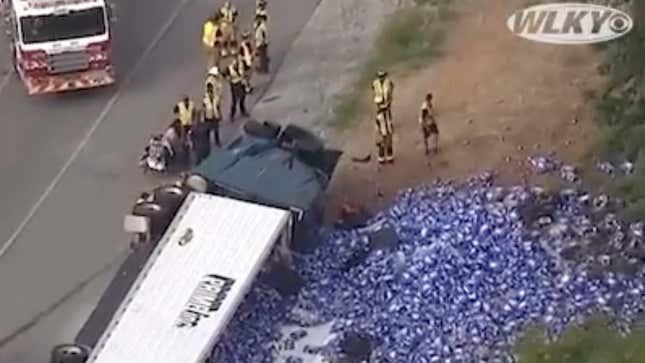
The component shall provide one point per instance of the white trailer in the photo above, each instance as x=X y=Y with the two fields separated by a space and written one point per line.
x=193 y=282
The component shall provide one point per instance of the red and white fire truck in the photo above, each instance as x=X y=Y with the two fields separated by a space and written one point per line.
x=60 y=45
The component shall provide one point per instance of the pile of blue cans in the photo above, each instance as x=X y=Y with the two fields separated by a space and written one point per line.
x=473 y=265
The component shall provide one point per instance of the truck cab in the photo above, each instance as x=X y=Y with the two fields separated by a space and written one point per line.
x=60 y=45
x=241 y=212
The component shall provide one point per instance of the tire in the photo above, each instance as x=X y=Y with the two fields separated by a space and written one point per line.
x=170 y=197
x=264 y=130
x=69 y=353
x=160 y=217
x=303 y=140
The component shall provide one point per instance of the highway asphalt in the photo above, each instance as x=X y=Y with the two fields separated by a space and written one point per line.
x=68 y=164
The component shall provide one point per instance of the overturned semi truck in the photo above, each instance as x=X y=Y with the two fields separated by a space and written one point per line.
x=241 y=212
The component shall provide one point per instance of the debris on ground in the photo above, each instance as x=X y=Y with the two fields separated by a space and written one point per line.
x=474 y=265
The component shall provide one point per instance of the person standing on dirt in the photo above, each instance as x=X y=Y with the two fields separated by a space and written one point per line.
x=428 y=123
x=212 y=113
x=383 y=90
x=384 y=134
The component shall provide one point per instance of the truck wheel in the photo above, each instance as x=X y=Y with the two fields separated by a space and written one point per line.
x=170 y=197
x=160 y=217
x=263 y=130
x=303 y=139
x=69 y=353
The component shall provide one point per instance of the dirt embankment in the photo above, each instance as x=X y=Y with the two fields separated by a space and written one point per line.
x=500 y=99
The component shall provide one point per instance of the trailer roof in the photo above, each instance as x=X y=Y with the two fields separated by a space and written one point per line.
x=40 y=7
x=209 y=257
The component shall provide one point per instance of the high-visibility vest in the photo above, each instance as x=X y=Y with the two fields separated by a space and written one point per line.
x=229 y=13
x=208 y=35
x=261 y=34
x=427 y=114
x=260 y=11
x=236 y=71
x=382 y=91
x=246 y=53
x=216 y=81
x=186 y=113
x=211 y=107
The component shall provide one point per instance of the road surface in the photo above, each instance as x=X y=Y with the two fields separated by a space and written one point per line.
x=68 y=165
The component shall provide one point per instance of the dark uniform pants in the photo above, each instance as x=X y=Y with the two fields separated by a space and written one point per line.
x=214 y=130
x=238 y=95
x=201 y=152
x=385 y=147
x=263 y=59
x=430 y=136
x=247 y=78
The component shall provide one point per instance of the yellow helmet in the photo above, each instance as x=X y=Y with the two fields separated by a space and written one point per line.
x=381 y=73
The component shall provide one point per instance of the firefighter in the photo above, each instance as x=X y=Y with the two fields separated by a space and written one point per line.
x=261 y=40
x=229 y=15
x=235 y=75
x=261 y=9
x=209 y=41
x=220 y=41
x=428 y=123
x=185 y=112
x=245 y=54
x=383 y=90
x=384 y=133
x=200 y=139
x=212 y=113
x=214 y=78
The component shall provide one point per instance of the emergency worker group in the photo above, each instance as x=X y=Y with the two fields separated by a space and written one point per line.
x=383 y=92
x=233 y=58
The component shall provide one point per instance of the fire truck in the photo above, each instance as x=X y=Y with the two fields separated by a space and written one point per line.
x=60 y=45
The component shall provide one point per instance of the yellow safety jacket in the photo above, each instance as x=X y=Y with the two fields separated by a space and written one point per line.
x=382 y=92
x=236 y=71
x=261 y=33
x=260 y=11
x=218 y=87
x=246 y=53
x=427 y=114
x=208 y=34
x=211 y=107
x=186 y=113
x=383 y=124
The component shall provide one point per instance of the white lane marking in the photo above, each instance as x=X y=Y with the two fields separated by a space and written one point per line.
x=7 y=245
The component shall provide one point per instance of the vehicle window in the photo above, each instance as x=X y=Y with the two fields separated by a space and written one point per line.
x=48 y=28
